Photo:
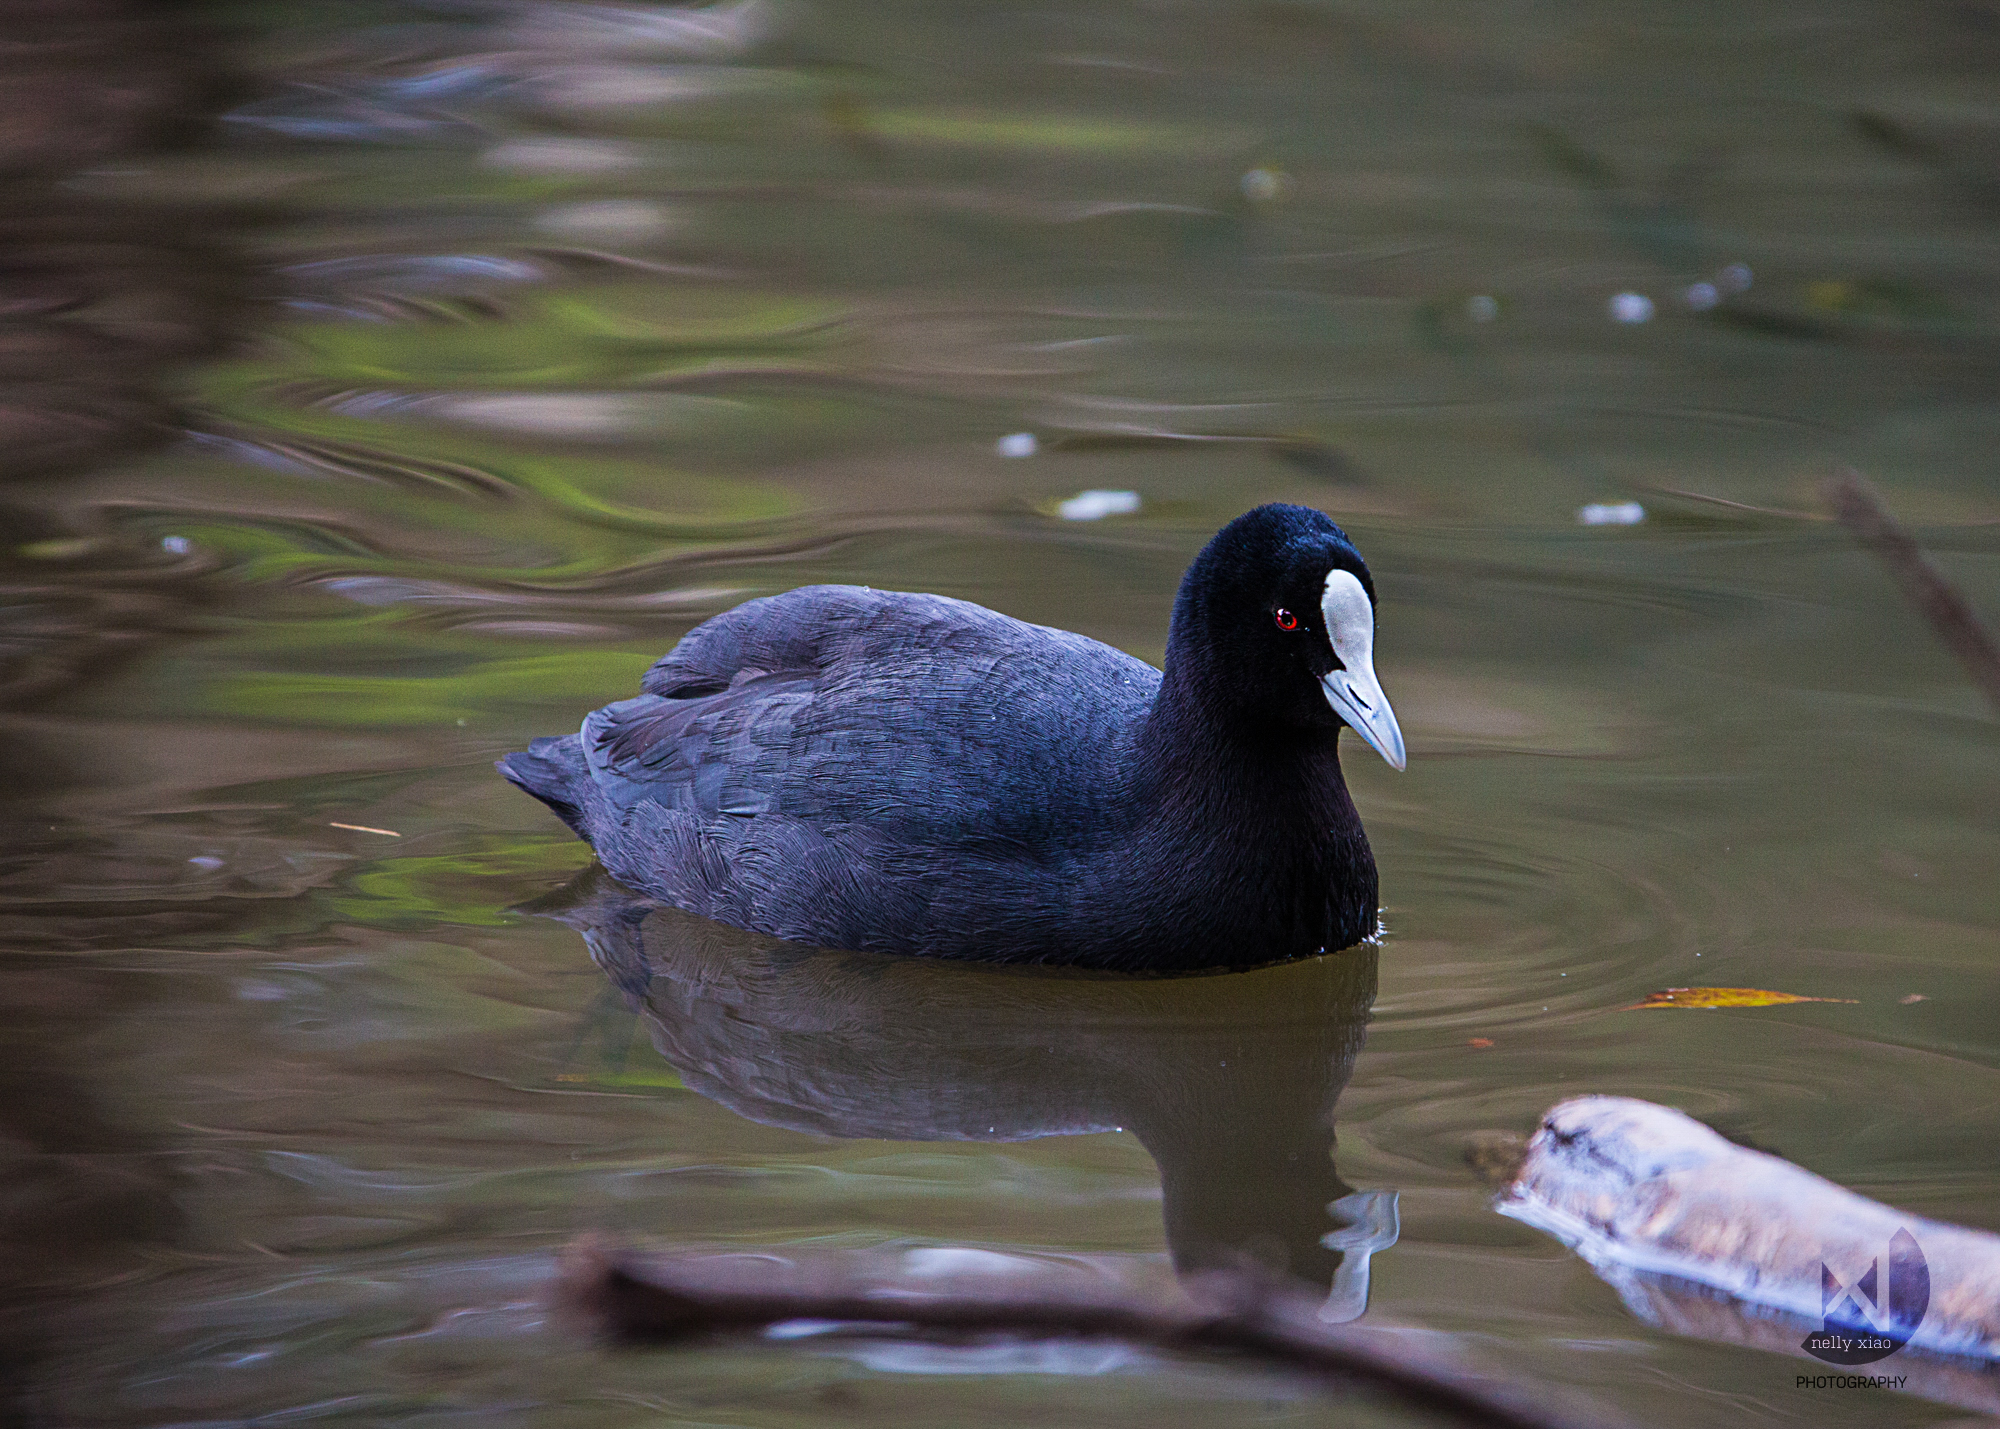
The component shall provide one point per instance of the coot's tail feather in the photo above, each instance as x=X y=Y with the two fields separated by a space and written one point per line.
x=554 y=772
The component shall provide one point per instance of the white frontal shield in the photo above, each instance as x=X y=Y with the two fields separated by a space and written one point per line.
x=1354 y=692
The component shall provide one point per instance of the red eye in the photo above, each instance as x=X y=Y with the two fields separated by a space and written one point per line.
x=1286 y=620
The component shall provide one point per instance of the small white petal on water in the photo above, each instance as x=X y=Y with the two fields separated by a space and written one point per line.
x=1096 y=505
x=1017 y=444
x=630 y=219
x=1611 y=513
x=557 y=154
x=1264 y=185
x=1630 y=307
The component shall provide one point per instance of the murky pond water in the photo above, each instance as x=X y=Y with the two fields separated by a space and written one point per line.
x=586 y=323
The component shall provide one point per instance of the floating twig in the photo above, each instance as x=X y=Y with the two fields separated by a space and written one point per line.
x=364 y=829
x=1940 y=602
x=1736 y=508
x=960 y=1292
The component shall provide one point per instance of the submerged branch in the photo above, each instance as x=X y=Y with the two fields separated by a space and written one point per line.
x=668 y=1297
x=1940 y=602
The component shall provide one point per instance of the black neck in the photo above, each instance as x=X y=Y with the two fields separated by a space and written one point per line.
x=1261 y=808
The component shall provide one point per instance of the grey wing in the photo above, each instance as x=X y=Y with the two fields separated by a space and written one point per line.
x=736 y=712
x=708 y=754
x=915 y=715
x=800 y=630
x=807 y=764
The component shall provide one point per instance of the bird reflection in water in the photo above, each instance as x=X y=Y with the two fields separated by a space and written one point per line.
x=1229 y=1081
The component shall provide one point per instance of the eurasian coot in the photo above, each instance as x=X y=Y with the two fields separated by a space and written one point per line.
x=902 y=773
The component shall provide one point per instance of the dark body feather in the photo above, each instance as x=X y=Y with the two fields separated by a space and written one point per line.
x=908 y=773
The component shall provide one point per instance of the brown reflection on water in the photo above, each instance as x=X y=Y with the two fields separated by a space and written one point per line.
x=98 y=293
x=99 y=297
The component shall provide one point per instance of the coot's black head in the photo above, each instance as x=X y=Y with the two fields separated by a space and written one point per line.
x=1275 y=625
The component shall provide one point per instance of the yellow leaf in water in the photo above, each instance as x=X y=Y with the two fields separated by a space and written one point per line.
x=1722 y=997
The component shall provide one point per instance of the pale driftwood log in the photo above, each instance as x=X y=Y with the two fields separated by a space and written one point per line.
x=1682 y=1308
x=1640 y=1188
x=1940 y=602
x=662 y=1297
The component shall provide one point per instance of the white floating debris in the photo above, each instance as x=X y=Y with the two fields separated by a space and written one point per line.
x=561 y=154
x=1482 y=308
x=176 y=545
x=206 y=862
x=632 y=220
x=1265 y=185
x=1611 y=513
x=1017 y=444
x=959 y=1260
x=1630 y=307
x=1640 y=1190
x=1735 y=278
x=1096 y=505
x=803 y=1329
x=1701 y=296
x=581 y=416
